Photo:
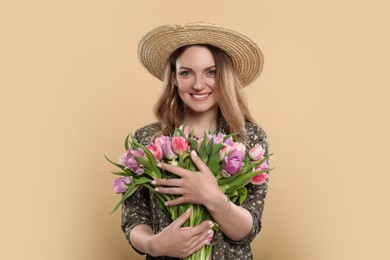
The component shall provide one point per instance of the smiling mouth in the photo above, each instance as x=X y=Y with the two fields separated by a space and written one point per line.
x=200 y=96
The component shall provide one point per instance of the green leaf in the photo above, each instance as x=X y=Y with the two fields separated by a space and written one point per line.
x=231 y=135
x=127 y=142
x=116 y=164
x=128 y=193
x=242 y=194
x=193 y=144
x=151 y=158
x=202 y=150
x=142 y=180
x=121 y=173
x=210 y=146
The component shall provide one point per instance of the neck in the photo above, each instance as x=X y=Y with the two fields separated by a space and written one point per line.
x=202 y=122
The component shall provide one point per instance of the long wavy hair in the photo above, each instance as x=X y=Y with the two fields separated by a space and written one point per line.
x=170 y=109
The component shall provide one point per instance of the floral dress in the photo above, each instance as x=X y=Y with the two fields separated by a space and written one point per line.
x=142 y=207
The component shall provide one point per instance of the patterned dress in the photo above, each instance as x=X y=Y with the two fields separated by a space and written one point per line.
x=142 y=208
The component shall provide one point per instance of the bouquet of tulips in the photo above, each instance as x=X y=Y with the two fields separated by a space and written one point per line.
x=230 y=162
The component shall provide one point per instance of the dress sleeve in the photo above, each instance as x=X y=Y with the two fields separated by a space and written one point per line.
x=255 y=200
x=135 y=211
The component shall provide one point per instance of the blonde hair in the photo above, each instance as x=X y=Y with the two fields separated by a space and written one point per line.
x=170 y=109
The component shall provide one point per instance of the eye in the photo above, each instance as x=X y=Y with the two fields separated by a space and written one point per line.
x=211 y=73
x=185 y=73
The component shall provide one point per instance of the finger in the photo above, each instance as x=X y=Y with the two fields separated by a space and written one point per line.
x=175 y=190
x=203 y=227
x=198 y=162
x=167 y=182
x=200 y=242
x=178 y=201
x=183 y=218
x=172 y=168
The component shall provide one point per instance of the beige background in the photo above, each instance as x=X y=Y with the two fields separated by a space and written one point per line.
x=72 y=89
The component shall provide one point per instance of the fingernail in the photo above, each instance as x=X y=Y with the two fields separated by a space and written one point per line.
x=207 y=241
x=211 y=224
x=193 y=152
x=159 y=164
x=188 y=210
x=156 y=189
x=153 y=182
x=209 y=232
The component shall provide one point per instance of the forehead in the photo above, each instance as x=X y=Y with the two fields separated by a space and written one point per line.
x=195 y=57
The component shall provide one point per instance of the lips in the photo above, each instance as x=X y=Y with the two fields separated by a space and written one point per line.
x=200 y=96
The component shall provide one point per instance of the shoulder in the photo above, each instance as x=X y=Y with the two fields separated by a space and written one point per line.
x=255 y=135
x=145 y=133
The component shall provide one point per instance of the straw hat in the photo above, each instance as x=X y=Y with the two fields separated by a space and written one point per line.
x=155 y=48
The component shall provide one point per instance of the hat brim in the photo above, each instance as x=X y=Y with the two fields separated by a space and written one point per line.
x=155 y=48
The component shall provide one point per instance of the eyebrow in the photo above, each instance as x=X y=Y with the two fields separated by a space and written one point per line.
x=186 y=68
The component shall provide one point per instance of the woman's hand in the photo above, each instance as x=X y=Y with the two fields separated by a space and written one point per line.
x=181 y=242
x=195 y=187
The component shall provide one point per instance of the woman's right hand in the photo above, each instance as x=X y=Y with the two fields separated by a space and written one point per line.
x=181 y=242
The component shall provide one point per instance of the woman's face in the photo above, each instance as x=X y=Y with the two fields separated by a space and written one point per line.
x=195 y=79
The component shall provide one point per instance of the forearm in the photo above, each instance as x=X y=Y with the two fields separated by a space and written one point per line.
x=235 y=221
x=140 y=238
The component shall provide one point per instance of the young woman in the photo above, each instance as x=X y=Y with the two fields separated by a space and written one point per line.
x=204 y=68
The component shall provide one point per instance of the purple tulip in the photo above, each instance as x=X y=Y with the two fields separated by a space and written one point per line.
x=168 y=150
x=131 y=163
x=121 y=184
x=218 y=138
x=232 y=164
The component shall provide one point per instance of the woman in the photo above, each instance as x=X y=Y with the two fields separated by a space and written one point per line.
x=203 y=68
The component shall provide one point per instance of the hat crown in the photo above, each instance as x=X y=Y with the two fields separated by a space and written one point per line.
x=155 y=47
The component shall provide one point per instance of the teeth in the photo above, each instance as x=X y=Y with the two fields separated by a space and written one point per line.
x=200 y=96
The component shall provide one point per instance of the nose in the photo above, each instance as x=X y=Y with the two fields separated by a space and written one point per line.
x=199 y=83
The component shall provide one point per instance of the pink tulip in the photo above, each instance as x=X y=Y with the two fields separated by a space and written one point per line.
x=185 y=130
x=179 y=145
x=225 y=151
x=259 y=179
x=256 y=153
x=156 y=151
x=121 y=184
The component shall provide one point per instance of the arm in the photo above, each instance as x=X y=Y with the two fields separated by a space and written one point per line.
x=171 y=241
x=174 y=240
x=238 y=223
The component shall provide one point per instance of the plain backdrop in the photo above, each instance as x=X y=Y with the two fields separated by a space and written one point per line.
x=72 y=89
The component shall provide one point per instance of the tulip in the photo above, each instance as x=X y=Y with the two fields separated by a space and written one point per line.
x=232 y=164
x=218 y=138
x=263 y=166
x=225 y=151
x=229 y=141
x=160 y=141
x=185 y=130
x=168 y=151
x=256 y=153
x=179 y=145
x=259 y=179
x=156 y=151
x=128 y=160
x=121 y=184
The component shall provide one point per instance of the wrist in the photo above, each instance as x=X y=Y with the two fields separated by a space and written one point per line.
x=150 y=244
x=217 y=202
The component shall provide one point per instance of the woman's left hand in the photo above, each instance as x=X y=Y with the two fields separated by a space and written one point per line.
x=195 y=187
